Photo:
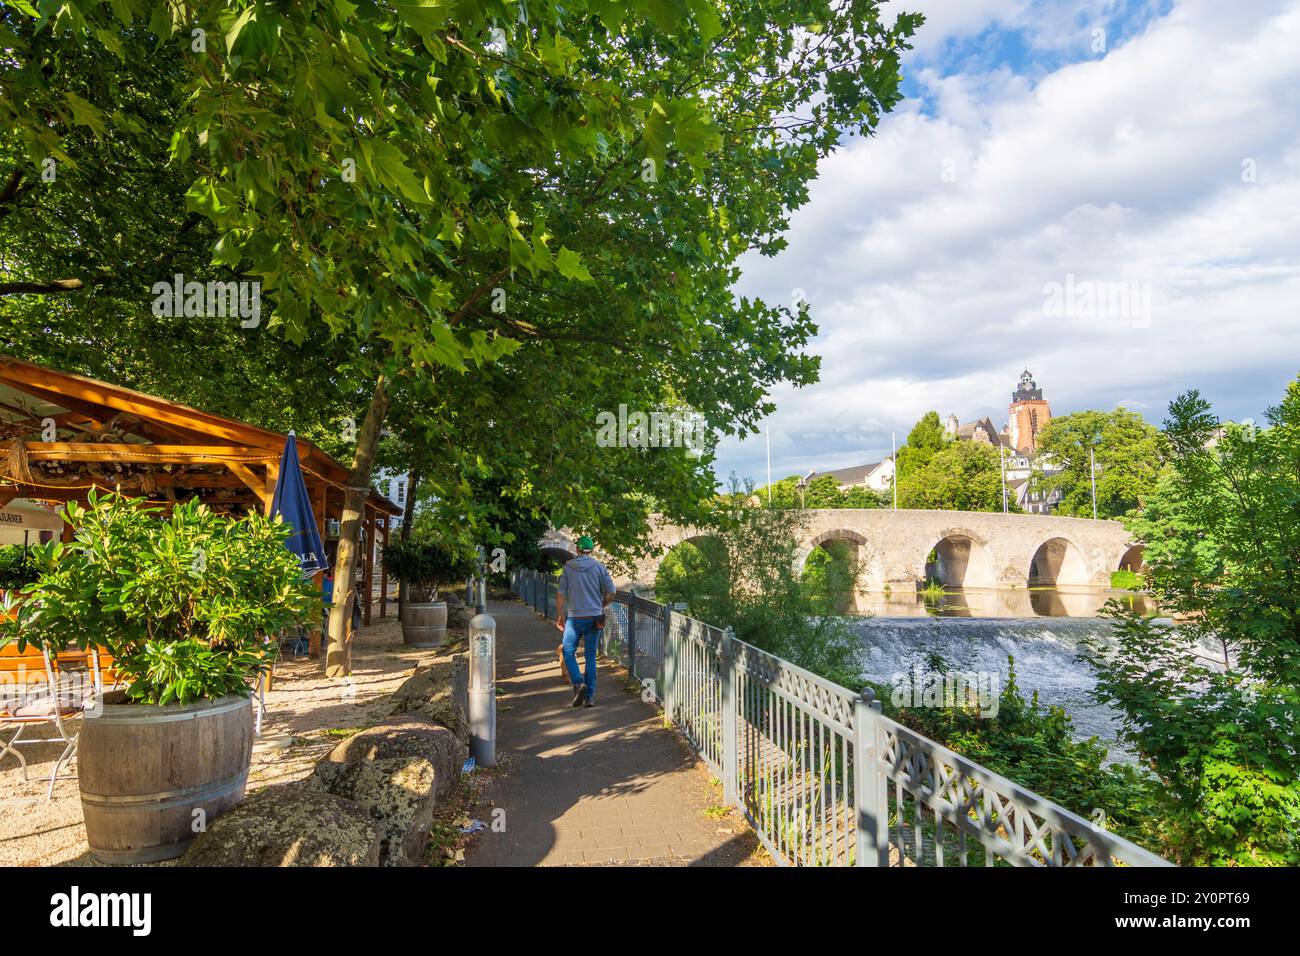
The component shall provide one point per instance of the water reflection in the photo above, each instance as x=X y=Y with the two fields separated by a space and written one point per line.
x=970 y=602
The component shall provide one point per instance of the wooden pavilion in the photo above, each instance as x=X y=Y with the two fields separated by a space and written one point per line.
x=63 y=434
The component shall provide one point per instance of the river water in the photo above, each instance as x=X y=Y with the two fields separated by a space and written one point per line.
x=1044 y=651
x=976 y=631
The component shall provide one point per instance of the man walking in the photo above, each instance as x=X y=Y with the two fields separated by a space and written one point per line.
x=586 y=589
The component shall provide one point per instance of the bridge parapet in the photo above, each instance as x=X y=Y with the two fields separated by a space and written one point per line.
x=972 y=549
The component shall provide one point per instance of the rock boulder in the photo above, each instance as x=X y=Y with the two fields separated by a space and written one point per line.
x=397 y=771
x=439 y=693
x=288 y=826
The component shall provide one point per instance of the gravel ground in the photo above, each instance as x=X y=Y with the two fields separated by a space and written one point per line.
x=306 y=716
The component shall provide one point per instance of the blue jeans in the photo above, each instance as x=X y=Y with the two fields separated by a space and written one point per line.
x=584 y=629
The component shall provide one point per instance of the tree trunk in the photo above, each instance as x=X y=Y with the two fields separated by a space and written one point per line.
x=413 y=480
x=338 y=659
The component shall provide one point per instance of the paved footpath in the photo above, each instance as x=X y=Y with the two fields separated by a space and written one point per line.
x=607 y=785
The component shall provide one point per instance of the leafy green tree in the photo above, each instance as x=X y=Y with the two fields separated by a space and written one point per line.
x=685 y=565
x=831 y=576
x=822 y=492
x=444 y=187
x=964 y=476
x=784 y=493
x=1129 y=455
x=926 y=439
x=17 y=566
x=441 y=186
x=860 y=496
x=746 y=578
x=1222 y=550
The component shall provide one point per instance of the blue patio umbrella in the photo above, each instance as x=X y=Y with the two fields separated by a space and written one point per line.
x=291 y=502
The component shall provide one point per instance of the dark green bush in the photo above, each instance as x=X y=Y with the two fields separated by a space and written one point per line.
x=16 y=567
x=1035 y=746
x=423 y=566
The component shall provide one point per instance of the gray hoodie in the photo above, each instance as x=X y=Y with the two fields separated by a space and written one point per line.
x=584 y=582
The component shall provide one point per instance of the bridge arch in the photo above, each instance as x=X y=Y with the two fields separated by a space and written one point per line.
x=1058 y=562
x=557 y=552
x=860 y=542
x=1133 y=559
x=962 y=559
x=705 y=546
x=863 y=561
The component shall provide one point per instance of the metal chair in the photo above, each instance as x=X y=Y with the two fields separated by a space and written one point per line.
x=59 y=697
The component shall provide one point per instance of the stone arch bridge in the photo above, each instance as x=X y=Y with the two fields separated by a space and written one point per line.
x=897 y=550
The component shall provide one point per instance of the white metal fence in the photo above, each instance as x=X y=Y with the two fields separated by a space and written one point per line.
x=822 y=776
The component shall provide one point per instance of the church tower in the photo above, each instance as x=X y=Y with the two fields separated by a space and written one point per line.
x=1028 y=414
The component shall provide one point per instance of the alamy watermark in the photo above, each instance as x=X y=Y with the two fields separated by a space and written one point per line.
x=677 y=428
x=193 y=299
x=947 y=689
x=133 y=911
x=1098 y=299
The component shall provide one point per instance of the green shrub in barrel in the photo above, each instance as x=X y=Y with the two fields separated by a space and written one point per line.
x=185 y=608
x=423 y=566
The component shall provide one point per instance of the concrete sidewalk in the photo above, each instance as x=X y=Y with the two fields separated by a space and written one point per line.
x=608 y=785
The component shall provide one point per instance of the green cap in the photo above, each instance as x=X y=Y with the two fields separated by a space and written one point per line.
x=586 y=544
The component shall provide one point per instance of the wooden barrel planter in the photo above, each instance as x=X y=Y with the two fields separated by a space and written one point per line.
x=424 y=625
x=145 y=771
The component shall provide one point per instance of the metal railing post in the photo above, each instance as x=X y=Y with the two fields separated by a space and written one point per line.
x=730 y=755
x=870 y=821
x=670 y=664
x=631 y=639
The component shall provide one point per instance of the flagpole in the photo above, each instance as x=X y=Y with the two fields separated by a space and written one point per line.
x=1002 y=467
x=1092 y=458
x=893 y=440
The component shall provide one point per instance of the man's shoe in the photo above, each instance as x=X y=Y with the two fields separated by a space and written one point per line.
x=588 y=703
x=579 y=694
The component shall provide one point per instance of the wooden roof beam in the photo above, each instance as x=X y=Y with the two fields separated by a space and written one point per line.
x=138 y=452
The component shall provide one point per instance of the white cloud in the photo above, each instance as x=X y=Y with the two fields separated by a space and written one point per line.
x=1126 y=167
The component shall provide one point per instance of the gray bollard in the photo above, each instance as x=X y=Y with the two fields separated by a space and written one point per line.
x=483 y=690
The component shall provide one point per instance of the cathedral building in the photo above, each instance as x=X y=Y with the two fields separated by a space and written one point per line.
x=1028 y=414
x=1017 y=441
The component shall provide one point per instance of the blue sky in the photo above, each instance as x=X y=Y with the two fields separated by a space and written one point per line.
x=1166 y=162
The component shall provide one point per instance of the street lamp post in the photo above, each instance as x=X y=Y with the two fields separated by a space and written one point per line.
x=801 y=484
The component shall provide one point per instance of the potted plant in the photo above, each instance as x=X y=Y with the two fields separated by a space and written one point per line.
x=423 y=566
x=185 y=609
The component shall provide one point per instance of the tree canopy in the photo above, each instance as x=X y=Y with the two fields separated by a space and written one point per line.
x=1129 y=455
x=964 y=476
x=438 y=202
x=924 y=441
x=1221 y=536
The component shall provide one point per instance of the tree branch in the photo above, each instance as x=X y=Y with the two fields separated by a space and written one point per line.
x=41 y=288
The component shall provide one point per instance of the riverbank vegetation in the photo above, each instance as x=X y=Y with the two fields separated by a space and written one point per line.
x=1129 y=455
x=742 y=574
x=1221 y=733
